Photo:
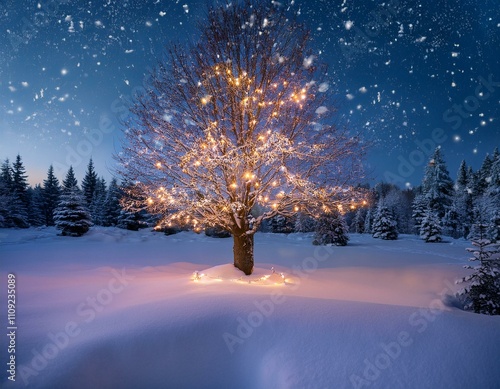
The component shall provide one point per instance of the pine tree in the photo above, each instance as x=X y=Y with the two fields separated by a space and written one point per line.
x=494 y=183
x=282 y=225
x=458 y=218
x=6 y=195
x=494 y=227
x=480 y=224
x=368 y=221
x=384 y=225
x=51 y=196
x=452 y=223
x=482 y=293
x=97 y=206
x=483 y=176
x=20 y=182
x=437 y=185
x=430 y=228
x=89 y=183
x=112 y=206
x=71 y=216
x=130 y=220
x=70 y=182
x=462 y=177
x=358 y=223
x=331 y=228
x=20 y=199
x=419 y=206
x=304 y=223
x=36 y=215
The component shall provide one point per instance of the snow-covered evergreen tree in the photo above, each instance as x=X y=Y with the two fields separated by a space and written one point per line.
x=89 y=183
x=459 y=218
x=97 y=205
x=130 y=220
x=430 y=228
x=71 y=216
x=482 y=292
x=462 y=177
x=483 y=176
x=368 y=221
x=304 y=223
x=437 y=186
x=20 y=182
x=331 y=228
x=452 y=223
x=358 y=223
x=20 y=203
x=70 y=182
x=494 y=227
x=282 y=225
x=481 y=221
x=51 y=196
x=384 y=225
x=112 y=206
x=217 y=232
x=494 y=182
x=36 y=211
x=6 y=195
x=419 y=206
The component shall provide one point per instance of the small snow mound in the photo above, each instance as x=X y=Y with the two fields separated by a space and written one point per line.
x=230 y=273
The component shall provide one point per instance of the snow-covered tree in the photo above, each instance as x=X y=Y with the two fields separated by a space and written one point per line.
x=437 y=186
x=494 y=182
x=217 y=232
x=20 y=202
x=20 y=182
x=129 y=220
x=430 y=227
x=89 y=183
x=384 y=225
x=483 y=176
x=70 y=183
x=358 y=223
x=482 y=292
x=304 y=223
x=6 y=195
x=112 y=206
x=71 y=216
x=370 y=214
x=481 y=219
x=331 y=228
x=36 y=214
x=51 y=196
x=452 y=223
x=419 y=206
x=462 y=177
x=282 y=224
x=97 y=204
x=241 y=118
x=494 y=227
x=458 y=218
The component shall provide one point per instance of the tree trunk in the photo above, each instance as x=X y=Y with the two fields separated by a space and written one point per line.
x=243 y=252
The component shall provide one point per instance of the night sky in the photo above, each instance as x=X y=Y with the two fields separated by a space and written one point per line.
x=405 y=72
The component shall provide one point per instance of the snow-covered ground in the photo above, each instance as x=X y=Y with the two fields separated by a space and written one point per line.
x=122 y=309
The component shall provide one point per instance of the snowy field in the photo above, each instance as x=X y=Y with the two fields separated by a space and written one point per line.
x=121 y=309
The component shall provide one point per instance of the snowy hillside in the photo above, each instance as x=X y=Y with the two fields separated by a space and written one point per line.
x=123 y=309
